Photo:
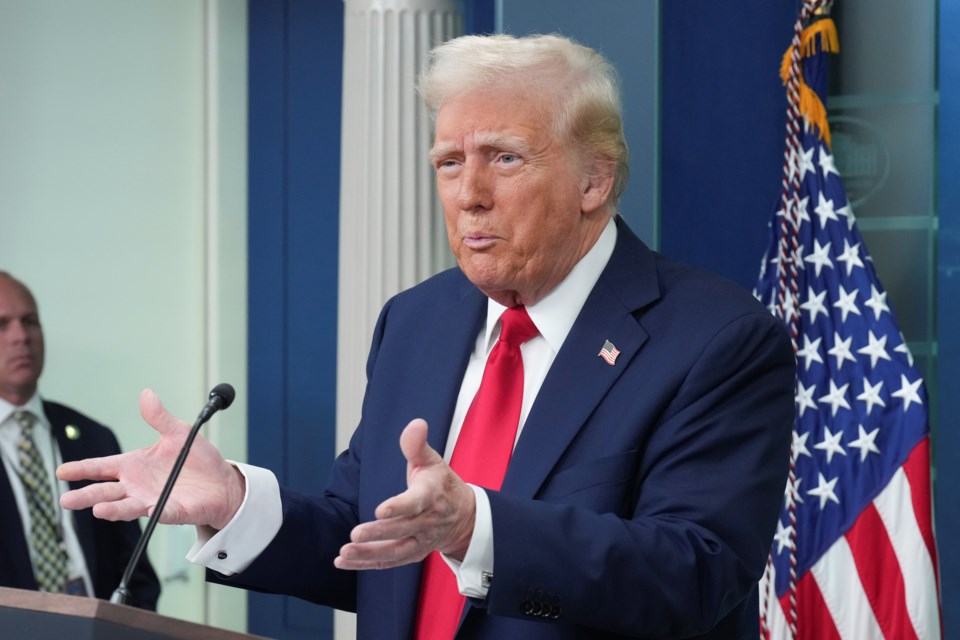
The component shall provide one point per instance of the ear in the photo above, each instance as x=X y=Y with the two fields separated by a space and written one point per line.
x=596 y=190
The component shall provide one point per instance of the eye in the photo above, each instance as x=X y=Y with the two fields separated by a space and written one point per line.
x=508 y=158
x=446 y=164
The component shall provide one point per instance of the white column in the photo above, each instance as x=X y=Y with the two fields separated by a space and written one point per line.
x=391 y=224
x=225 y=263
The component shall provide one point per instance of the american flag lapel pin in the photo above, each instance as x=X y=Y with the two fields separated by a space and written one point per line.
x=609 y=353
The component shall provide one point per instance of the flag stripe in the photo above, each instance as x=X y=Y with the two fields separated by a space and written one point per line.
x=917 y=469
x=895 y=508
x=816 y=622
x=879 y=573
x=837 y=578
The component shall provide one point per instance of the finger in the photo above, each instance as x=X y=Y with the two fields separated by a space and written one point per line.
x=385 y=530
x=407 y=504
x=125 y=509
x=92 y=494
x=413 y=444
x=156 y=415
x=379 y=555
x=107 y=468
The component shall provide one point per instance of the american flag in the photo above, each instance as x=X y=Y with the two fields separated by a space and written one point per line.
x=854 y=555
x=609 y=352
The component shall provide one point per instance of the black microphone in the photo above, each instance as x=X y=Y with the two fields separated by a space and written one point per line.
x=221 y=397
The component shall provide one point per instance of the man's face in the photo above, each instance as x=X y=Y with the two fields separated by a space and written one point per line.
x=21 y=343
x=512 y=195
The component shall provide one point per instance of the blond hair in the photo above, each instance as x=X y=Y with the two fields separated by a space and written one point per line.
x=578 y=80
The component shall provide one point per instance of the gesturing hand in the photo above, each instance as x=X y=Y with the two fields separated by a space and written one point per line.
x=435 y=512
x=208 y=491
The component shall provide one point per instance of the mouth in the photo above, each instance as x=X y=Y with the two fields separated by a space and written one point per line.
x=23 y=360
x=479 y=241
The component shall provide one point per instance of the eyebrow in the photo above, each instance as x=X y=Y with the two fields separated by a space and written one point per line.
x=483 y=139
x=440 y=150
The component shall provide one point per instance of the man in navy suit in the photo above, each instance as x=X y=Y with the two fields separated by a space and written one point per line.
x=653 y=432
x=97 y=550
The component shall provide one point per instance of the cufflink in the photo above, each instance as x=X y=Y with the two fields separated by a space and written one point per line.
x=485 y=579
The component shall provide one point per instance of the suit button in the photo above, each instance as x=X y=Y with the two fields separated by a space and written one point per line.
x=555 y=612
x=526 y=607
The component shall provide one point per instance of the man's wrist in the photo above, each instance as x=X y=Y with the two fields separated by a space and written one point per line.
x=236 y=491
x=465 y=530
x=248 y=532
x=478 y=559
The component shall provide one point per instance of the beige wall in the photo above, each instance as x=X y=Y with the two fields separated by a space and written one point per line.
x=123 y=206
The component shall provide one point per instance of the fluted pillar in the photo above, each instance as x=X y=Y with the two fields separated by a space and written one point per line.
x=391 y=223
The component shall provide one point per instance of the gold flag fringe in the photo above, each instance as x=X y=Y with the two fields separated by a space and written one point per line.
x=811 y=106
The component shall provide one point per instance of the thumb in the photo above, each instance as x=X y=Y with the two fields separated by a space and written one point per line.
x=156 y=415
x=413 y=444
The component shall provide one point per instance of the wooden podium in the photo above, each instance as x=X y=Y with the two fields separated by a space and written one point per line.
x=37 y=616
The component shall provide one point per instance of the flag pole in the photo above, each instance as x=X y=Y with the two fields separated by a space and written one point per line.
x=787 y=306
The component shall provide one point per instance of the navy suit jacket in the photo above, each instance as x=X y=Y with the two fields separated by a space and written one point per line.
x=641 y=498
x=107 y=546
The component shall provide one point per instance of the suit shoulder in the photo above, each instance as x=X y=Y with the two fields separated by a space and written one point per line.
x=700 y=290
x=441 y=288
x=701 y=305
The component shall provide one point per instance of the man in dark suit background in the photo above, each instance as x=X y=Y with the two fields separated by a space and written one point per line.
x=93 y=552
x=650 y=426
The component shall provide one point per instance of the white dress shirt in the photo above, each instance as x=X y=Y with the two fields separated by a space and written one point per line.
x=50 y=453
x=260 y=515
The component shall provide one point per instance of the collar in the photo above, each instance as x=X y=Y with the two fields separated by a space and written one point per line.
x=34 y=405
x=555 y=314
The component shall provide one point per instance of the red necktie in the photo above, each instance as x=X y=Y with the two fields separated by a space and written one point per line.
x=480 y=457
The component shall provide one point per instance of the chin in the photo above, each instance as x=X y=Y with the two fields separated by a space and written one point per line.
x=498 y=292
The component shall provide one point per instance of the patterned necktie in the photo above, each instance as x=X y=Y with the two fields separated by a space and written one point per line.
x=50 y=560
x=480 y=457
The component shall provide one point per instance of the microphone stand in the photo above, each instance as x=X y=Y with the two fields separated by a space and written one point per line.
x=220 y=398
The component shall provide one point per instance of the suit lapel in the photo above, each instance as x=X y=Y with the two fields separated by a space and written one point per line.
x=438 y=370
x=579 y=379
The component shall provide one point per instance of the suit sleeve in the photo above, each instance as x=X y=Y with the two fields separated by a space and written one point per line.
x=700 y=507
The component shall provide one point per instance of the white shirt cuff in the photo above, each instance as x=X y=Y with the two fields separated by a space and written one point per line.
x=479 y=557
x=233 y=548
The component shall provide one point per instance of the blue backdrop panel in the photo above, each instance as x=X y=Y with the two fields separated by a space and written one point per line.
x=946 y=443
x=722 y=130
x=295 y=69
x=479 y=16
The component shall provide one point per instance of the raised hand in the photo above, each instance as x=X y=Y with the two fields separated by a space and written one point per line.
x=435 y=512
x=208 y=491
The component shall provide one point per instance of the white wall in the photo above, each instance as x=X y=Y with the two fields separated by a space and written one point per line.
x=123 y=206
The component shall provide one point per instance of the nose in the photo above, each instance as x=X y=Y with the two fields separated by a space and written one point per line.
x=475 y=190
